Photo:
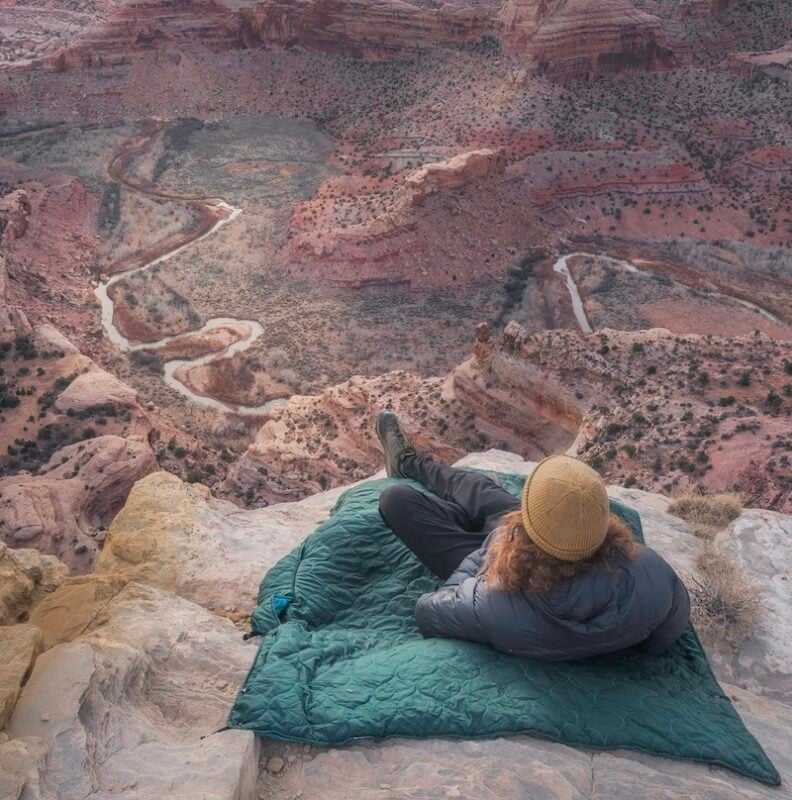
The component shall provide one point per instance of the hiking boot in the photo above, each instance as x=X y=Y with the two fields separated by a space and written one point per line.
x=394 y=442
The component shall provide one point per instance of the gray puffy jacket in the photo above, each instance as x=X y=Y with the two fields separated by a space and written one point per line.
x=599 y=611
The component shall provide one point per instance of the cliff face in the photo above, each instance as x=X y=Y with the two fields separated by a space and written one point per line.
x=565 y=40
x=129 y=29
x=585 y=37
x=570 y=39
x=366 y=28
x=775 y=63
x=119 y=681
x=642 y=407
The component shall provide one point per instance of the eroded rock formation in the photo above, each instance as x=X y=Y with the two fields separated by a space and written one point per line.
x=128 y=29
x=66 y=507
x=364 y=28
x=26 y=575
x=775 y=63
x=585 y=37
x=14 y=214
x=457 y=171
x=570 y=39
x=629 y=402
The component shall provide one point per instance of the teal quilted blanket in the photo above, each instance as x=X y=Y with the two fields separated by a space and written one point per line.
x=341 y=659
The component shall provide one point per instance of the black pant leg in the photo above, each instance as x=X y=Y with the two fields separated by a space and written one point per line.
x=478 y=495
x=432 y=528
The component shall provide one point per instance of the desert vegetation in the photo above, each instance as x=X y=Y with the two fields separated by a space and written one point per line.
x=726 y=606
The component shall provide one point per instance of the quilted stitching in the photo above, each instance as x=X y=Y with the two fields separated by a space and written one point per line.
x=344 y=660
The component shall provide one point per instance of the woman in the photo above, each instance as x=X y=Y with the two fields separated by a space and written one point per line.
x=553 y=575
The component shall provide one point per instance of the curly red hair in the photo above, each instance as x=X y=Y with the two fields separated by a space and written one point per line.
x=515 y=563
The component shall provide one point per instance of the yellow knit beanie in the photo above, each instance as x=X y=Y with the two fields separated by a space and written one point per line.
x=565 y=508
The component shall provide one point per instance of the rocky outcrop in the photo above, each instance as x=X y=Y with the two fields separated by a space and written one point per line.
x=566 y=40
x=457 y=171
x=19 y=646
x=51 y=220
x=73 y=441
x=14 y=214
x=756 y=541
x=174 y=535
x=586 y=37
x=519 y=20
x=9 y=322
x=366 y=28
x=119 y=711
x=625 y=401
x=569 y=39
x=97 y=388
x=126 y=30
x=25 y=577
x=66 y=507
x=135 y=671
x=775 y=63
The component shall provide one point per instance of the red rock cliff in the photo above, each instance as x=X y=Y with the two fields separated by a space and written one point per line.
x=585 y=37
x=147 y=25
x=366 y=27
x=565 y=38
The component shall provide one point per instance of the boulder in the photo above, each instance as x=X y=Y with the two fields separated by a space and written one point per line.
x=49 y=339
x=96 y=388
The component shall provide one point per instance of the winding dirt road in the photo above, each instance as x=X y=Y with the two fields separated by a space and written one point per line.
x=217 y=212
x=562 y=268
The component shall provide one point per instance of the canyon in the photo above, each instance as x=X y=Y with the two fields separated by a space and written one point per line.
x=420 y=170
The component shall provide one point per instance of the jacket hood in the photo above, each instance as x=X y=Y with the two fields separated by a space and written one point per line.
x=596 y=600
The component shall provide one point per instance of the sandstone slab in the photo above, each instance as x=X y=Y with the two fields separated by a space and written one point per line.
x=136 y=674
x=520 y=767
x=120 y=710
x=177 y=536
x=19 y=646
x=760 y=543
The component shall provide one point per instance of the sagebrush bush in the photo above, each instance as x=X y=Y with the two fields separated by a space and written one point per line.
x=707 y=514
x=726 y=607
